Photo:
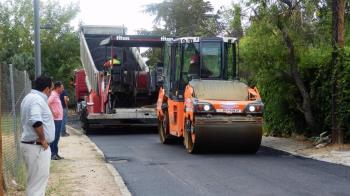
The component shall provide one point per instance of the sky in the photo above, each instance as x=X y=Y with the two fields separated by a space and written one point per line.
x=122 y=12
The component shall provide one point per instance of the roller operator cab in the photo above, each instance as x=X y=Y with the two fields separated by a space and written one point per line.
x=203 y=102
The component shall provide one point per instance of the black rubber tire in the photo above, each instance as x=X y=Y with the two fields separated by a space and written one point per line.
x=190 y=146
x=84 y=122
x=163 y=130
x=110 y=104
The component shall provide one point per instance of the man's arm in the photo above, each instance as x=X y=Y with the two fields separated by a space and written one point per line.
x=66 y=100
x=53 y=111
x=38 y=127
x=50 y=102
x=37 y=123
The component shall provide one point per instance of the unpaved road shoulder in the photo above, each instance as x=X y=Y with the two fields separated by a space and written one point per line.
x=83 y=171
x=338 y=154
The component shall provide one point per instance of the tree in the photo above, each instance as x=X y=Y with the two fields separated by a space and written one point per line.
x=16 y=26
x=294 y=12
x=2 y=184
x=338 y=10
x=60 y=43
x=182 y=18
x=286 y=47
x=185 y=17
x=288 y=23
x=235 y=28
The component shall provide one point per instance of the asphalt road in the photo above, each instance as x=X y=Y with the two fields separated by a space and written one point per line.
x=151 y=168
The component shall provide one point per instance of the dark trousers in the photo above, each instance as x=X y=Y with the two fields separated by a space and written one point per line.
x=64 y=121
x=54 y=144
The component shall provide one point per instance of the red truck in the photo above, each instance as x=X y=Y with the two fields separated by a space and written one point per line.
x=81 y=90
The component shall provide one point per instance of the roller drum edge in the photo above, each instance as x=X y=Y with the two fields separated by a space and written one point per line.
x=239 y=137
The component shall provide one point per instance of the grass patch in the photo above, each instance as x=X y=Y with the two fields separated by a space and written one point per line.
x=54 y=183
x=58 y=182
x=14 y=167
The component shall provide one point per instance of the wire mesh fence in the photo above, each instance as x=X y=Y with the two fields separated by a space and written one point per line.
x=14 y=86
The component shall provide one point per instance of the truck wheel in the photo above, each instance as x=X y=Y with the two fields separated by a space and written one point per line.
x=86 y=127
x=110 y=104
x=163 y=129
x=84 y=121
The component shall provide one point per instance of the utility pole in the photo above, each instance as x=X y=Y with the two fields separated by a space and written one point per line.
x=37 y=38
x=338 y=10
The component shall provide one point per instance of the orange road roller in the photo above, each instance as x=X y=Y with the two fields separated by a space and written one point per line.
x=203 y=102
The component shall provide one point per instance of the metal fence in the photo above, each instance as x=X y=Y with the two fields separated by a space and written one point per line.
x=14 y=86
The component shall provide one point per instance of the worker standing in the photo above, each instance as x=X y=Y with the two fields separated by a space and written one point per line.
x=55 y=105
x=64 y=101
x=38 y=131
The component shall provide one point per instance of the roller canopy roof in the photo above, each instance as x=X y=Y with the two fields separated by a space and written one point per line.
x=135 y=41
x=198 y=39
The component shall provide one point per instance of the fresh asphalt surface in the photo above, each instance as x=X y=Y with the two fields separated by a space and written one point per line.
x=151 y=168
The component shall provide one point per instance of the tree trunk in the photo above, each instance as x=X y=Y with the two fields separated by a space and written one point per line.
x=338 y=15
x=2 y=184
x=306 y=106
x=307 y=109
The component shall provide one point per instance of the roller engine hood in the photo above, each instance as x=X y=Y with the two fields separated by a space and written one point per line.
x=220 y=90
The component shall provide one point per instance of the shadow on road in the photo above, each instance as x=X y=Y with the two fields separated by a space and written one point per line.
x=73 y=121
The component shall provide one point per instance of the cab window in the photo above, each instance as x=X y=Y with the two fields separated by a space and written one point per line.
x=230 y=64
x=166 y=66
x=191 y=61
x=178 y=63
x=211 y=60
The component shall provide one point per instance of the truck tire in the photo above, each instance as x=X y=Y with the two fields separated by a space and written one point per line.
x=110 y=105
x=84 y=121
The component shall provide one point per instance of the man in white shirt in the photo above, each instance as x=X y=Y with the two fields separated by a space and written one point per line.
x=38 y=132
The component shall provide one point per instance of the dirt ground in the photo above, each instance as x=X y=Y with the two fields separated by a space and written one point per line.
x=339 y=154
x=83 y=171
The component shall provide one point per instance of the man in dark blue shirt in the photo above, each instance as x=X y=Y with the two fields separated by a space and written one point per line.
x=64 y=100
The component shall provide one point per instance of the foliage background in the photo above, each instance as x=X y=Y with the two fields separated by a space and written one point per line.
x=264 y=53
x=59 y=43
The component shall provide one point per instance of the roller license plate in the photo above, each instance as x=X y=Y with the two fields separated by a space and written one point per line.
x=229 y=111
